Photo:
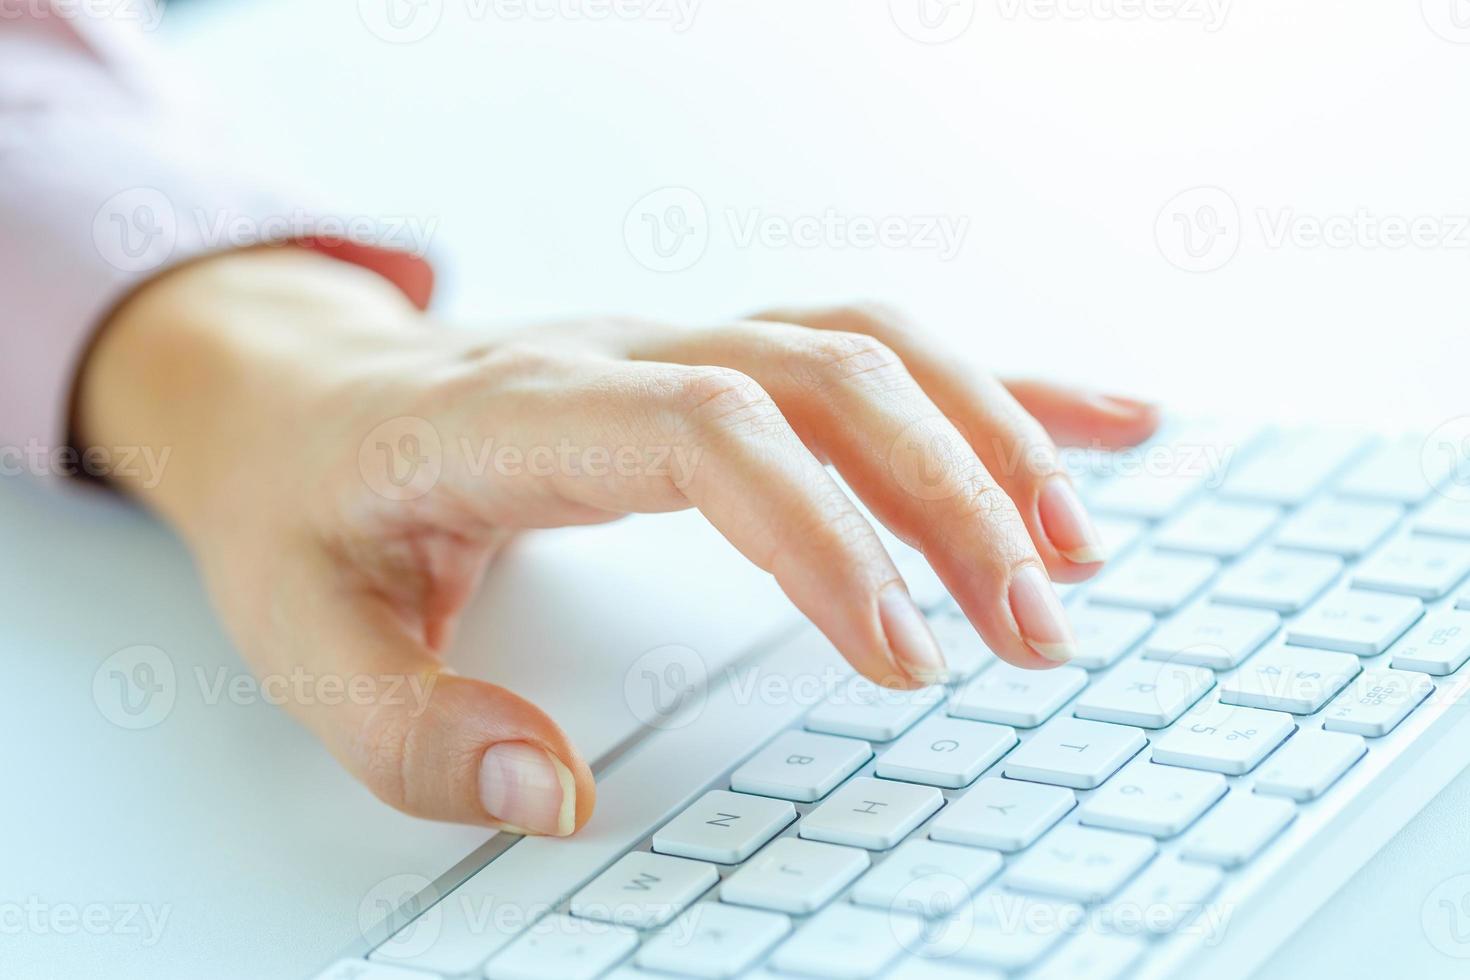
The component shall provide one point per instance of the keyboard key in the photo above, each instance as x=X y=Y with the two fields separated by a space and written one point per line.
x=1080 y=863
x=1144 y=693
x=965 y=654
x=1237 y=829
x=1002 y=813
x=1393 y=472
x=724 y=827
x=1365 y=623
x=1005 y=931
x=1205 y=635
x=871 y=813
x=858 y=708
x=713 y=940
x=354 y=968
x=1445 y=516
x=1153 y=581
x=927 y=879
x=1416 y=565
x=1291 y=466
x=800 y=766
x=1096 y=956
x=1377 y=702
x=946 y=752
x=1346 y=528
x=1150 y=496
x=928 y=968
x=1104 y=635
x=1118 y=534
x=644 y=890
x=1165 y=896
x=1277 y=580
x=847 y=941
x=1222 y=738
x=1287 y=678
x=794 y=875
x=1221 y=528
x=1438 y=645
x=1009 y=695
x=1075 y=753
x=1147 y=798
x=560 y=947
x=1308 y=764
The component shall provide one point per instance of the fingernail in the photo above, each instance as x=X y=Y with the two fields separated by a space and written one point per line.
x=1124 y=406
x=528 y=789
x=1067 y=524
x=1040 y=616
x=909 y=637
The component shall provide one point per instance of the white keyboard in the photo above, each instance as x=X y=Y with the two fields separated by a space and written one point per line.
x=1283 y=627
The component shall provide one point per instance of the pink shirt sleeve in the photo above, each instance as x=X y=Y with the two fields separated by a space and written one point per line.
x=101 y=188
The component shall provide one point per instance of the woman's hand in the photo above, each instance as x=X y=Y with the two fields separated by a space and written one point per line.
x=344 y=470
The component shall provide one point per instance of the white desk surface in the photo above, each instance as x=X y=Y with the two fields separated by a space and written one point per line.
x=528 y=141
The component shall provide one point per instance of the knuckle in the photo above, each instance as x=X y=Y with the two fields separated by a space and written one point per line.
x=495 y=365
x=382 y=751
x=874 y=316
x=720 y=400
x=980 y=498
x=832 y=358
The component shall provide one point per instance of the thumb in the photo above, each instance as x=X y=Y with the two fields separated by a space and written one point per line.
x=427 y=741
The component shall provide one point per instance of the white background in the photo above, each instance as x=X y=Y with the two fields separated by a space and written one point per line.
x=1058 y=140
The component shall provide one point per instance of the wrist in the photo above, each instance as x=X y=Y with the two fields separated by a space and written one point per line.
x=215 y=365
